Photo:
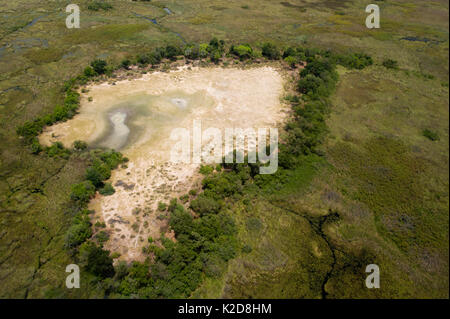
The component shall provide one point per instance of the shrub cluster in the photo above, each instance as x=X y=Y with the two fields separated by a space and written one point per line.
x=203 y=247
x=31 y=129
x=102 y=163
x=390 y=64
x=354 y=61
x=95 y=259
x=80 y=230
x=270 y=51
x=242 y=51
x=431 y=135
x=206 y=242
x=307 y=129
x=99 y=5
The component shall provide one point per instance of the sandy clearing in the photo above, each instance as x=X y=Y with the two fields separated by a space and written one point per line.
x=219 y=97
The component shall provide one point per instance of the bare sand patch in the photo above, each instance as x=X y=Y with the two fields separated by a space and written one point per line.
x=137 y=116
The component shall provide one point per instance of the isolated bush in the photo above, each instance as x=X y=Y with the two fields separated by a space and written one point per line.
x=99 y=224
x=99 y=66
x=431 y=135
x=242 y=51
x=79 y=145
x=215 y=56
x=270 y=51
x=107 y=190
x=215 y=49
x=390 y=64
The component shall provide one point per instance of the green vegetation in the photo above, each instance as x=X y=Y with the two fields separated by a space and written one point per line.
x=431 y=135
x=270 y=51
x=213 y=227
x=125 y=64
x=204 y=205
x=99 y=66
x=354 y=61
x=89 y=72
x=57 y=149
x=206 y=169
x=242 y=51
x=99 y=5
x=107 y=190
x=215 y=49
x=96 y=260
x=193 y=192
x=79 y=145
x=291 y=60
x=179 y=268
x=162 y=206
x=203 y=246
x=390 y=64
x=82 y=192
x=30 y=129
x=375 y=168
x=184 y=198
x=80 y=230
x=102 y=237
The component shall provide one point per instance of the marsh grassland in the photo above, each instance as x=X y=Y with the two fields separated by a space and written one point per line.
x=374 y=190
